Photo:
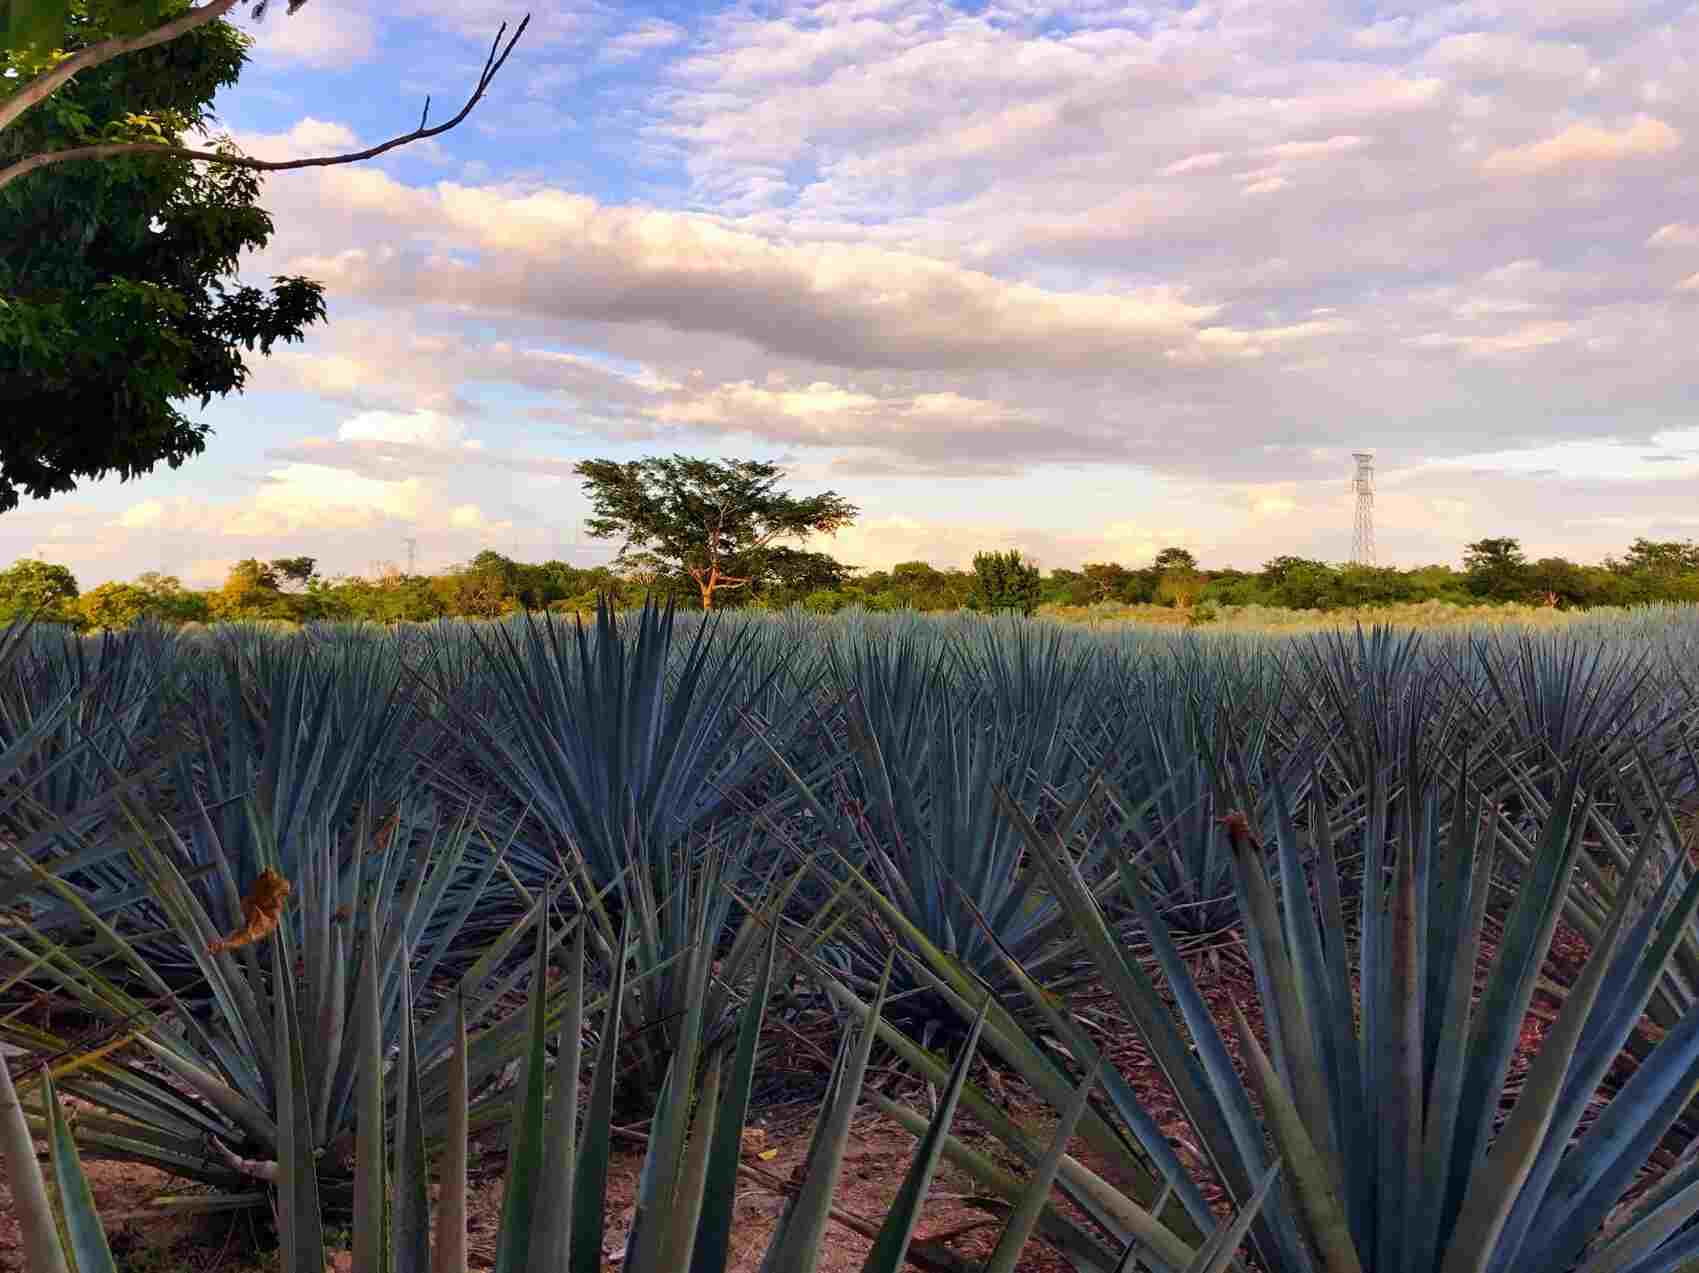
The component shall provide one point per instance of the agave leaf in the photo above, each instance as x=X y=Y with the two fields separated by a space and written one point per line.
x=41 y=1247
x=1498 y=1178
x=589 y=1204
x=797 y=1239
x=472 y=983
x=1510 y=986
x=84 y=1235
x=300 y=1227
x=249 y=1116
x=1630 y=1246
x=1217 y=1255
x=410 y=1214
x=1097 y=1196
x=526 y=1148
x=1316 y=1040
x=1025 y=1215
x=669 y=1240
x=1229 y=1132
x=369 y=1191
x=719 y=1192
x=1094 y=1193
x=551 y=1223
x=1313 y=1180
x=895 y=1234
x=1176 y=1179
x=449 y=1255
x=682 y=1222
x=1593 y=1176
x=1452 y=1010
x=331 y=1033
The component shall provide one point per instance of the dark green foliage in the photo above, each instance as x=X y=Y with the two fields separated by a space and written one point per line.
x=39 y=26
x=117 y=291
x=40 y=588
x=1496 y=568
x=1005 y=581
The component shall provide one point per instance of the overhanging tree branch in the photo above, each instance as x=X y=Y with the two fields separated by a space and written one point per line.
x=52 y=80
x=106 y=150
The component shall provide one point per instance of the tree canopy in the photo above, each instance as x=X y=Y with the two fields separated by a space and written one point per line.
x=114 y=304
x=42 y=588
x=118 y=295
x=1006 y=581
x=716 y=522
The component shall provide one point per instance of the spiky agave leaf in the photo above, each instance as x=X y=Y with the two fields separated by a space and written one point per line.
x=1389 y=1127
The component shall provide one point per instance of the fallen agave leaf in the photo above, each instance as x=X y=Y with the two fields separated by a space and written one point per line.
x=262 y=908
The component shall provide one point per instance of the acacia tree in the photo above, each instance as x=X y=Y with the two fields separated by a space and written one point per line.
x=716 y=521
x=118 y=242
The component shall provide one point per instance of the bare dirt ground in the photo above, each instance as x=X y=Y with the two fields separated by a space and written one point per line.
x=872 y=1172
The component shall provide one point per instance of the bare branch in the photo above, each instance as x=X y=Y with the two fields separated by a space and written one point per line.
x=51 y=80
x=107 y=150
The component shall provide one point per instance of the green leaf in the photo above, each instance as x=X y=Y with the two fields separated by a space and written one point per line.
x=797 y=1240
x=450 y=1251
x=410 y=1239
x=42 y=1250
x=1217 y=1254
x=719 y=1198
x=369 y=1191
x=551 y=1231
x=84 y=1234
x=1311 y=1176
x=589 y=1205
x=1025 y=1215
x=892 y=1244
x=526 y=1147
x=300 y=1226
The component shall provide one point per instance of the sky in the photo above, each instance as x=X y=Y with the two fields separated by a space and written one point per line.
x=1085 y=279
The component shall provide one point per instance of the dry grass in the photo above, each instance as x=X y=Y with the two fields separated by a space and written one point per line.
x=1424 y=614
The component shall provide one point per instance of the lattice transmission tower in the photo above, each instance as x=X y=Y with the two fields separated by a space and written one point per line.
x=1363 y=533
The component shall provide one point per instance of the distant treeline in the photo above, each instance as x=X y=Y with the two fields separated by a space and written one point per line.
x=491 y=585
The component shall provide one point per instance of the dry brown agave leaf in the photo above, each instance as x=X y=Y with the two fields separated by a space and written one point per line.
x=262 y=908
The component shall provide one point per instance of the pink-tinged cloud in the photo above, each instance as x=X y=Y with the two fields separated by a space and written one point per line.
x=1586 y=145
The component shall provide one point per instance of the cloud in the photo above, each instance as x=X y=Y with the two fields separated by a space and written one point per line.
x=295 y=497
x=1675 y=234
x=1196 y=163
x=646 y=37
x=1521 y=340
x=307 y=138
x=1314 y=149
x=316 y=35
x=1500 y=56
x=568 y=256
x=1582 y=145
x=422 y=428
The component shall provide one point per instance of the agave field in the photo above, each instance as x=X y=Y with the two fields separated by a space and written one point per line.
x=298 y=918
